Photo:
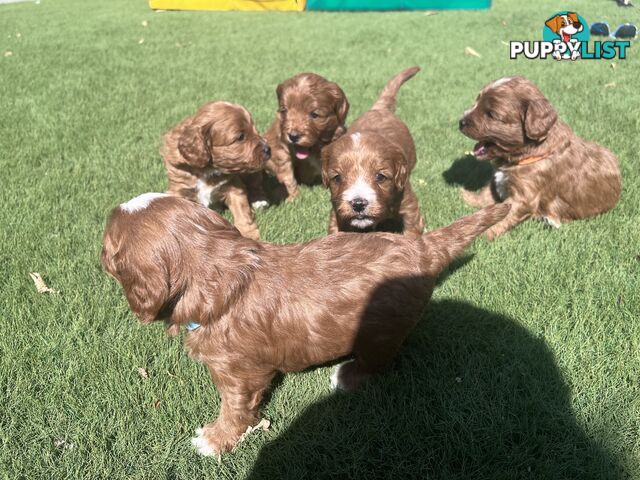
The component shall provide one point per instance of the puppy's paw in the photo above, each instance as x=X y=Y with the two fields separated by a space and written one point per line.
x=203 y=446
x=292 y=196
x=346 y=377
x=491 y=234
x=260 y=204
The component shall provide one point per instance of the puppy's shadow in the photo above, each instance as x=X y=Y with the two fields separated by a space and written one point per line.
x=472 y=395
x=469 y=173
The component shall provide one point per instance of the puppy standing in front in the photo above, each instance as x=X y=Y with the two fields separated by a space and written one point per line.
x=543 y=169
x=367 y=170
x=209 y=155
x=260 y=309
x=311 y=114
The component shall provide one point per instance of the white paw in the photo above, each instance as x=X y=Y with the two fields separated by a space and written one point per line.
x=260 y=204
x=202 y=445
x=551 y=223
x=335 y=376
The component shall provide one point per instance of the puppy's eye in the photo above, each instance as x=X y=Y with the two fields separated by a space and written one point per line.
x=314 y=114
x=491 y=115
x=380 y=177
x=240 y=138
x=282 y=109
x=337 y=179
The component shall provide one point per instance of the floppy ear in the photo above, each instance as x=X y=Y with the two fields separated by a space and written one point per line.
x=192 y=146
x=279 y=90
x=573 y=16
x=341 y=130
x=341 y=104
x=554 y=23
x=540 y=116
x=401 y=173
x=325 y=155
x=143 y=282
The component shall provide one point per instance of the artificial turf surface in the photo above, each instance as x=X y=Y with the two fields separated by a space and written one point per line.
x=527 y=364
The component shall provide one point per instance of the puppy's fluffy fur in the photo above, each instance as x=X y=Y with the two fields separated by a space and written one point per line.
x=207 y=154
x=542 y=168
x=367 y=170
x=311 y=113
x=266 y=308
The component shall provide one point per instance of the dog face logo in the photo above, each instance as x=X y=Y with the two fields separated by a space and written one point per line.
x=565 y=26
x=567 y=31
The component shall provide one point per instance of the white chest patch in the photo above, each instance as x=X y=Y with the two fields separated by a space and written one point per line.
x=141 y=201
x=500 y=180
x=360 y=189
x=208 y=193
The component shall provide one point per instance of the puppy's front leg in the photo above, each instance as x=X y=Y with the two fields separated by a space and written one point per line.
x=519 y=213
x=333 y=222
x=241 y=397
x=237 y=199
x=282 y=168
x=410 y=212
x=480 y=199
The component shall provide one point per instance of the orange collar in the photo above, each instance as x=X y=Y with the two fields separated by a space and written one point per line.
x=530 y=160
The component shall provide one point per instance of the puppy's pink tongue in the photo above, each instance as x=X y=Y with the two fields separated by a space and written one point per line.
x=479 y=149
x=302 y=154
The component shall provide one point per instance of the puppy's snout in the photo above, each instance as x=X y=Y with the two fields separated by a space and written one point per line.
x=462 y=123
x=266 y=151
x=294 y=136
x=359 y=204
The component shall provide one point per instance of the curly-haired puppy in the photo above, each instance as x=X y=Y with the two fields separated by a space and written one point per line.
x=311 y=113
x=367 y=170
x=208 y=155
x=260 y=308
x=543 y=169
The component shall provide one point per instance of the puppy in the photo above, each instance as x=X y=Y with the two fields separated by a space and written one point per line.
x=565 y=26
x=311 y=113
x=542 y=168
x=368 y=169
x=253 y=309
x=206 y=155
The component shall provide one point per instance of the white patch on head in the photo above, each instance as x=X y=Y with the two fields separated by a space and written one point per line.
x=501 y=182
x=355 y=137
x=500 y=81
x=208 y=193
x=141 y=201
x=201 y=443
x=360 y=189
x=335 y=376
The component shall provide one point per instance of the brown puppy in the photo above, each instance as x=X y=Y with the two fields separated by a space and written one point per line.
x=368 y=169
x=206 y=154
x=311 y=113
x=263 y=308
x=542 y=168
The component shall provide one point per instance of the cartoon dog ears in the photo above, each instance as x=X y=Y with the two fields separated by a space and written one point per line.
x=556 y=23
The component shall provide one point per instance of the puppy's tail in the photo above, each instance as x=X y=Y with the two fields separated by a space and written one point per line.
x=387 y=98
x=445 y=244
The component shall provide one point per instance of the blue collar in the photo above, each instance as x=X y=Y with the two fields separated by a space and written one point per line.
x=191 y=326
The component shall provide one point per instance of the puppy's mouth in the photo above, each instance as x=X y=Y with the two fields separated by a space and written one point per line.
x=481 y=150
x=301 y=153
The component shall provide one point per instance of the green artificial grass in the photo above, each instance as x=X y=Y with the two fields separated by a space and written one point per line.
x=526 y=365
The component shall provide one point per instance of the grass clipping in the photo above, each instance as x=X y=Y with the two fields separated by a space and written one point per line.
x=39 y=283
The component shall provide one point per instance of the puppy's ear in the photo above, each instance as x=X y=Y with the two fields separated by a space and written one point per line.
x=193 y=145
x=540 y=116
x=341 y=104
x=554 y=23
x=325 y=155
x=143 y=281
x=279 y=91
x=401 y=173
x=341 y=130
x=573 y=16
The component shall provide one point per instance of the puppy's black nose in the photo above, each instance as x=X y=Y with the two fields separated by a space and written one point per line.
x=462 y=123
x=266 y=150
x=294 y=137
x=359 y=204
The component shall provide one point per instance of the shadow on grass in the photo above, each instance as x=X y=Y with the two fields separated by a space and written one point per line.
x=469 y=173
x=472 y=395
